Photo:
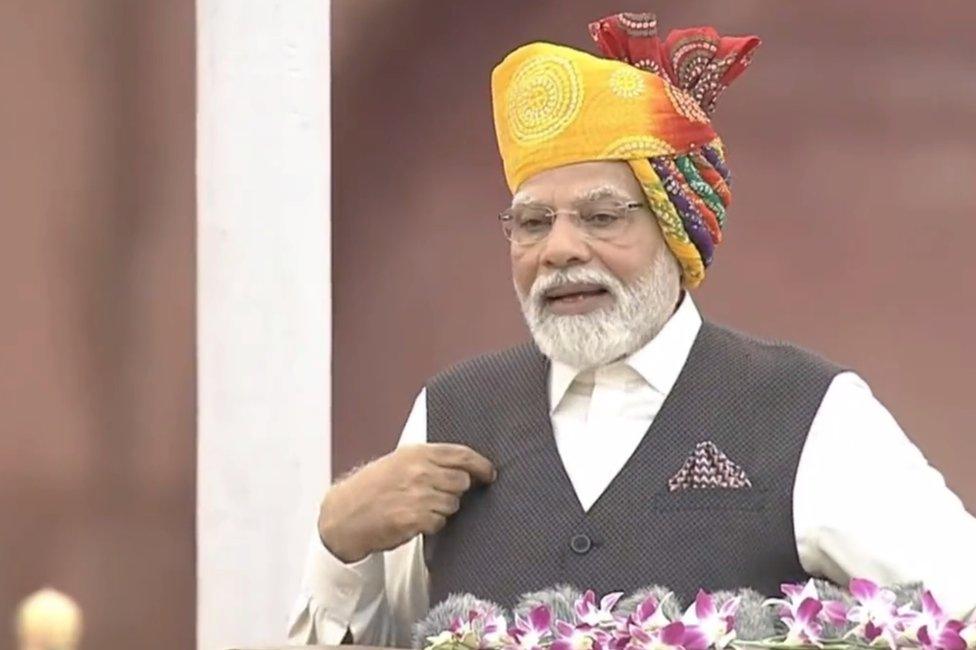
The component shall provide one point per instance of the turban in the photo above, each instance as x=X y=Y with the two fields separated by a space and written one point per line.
x=649 y=104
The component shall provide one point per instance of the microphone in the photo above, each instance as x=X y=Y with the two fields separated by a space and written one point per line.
x=909 y=594
x=671 y=606
x=753 y=622
x=560 y=600
x=443 y=616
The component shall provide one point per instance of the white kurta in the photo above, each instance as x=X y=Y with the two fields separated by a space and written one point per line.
x=865 y=502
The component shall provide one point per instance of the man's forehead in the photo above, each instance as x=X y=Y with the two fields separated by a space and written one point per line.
x=585 y=193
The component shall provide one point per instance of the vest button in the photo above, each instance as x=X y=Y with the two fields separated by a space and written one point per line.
x=581 y=544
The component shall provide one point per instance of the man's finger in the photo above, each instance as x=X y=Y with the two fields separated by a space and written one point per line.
x=431 y=523
x=461 y=457
x=443 y=503
x=454 y=481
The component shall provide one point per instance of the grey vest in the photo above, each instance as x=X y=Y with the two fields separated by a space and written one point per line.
x=527 y=531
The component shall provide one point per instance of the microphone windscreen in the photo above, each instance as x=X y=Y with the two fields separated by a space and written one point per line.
x=671 y=605
x=753 y=622
x=442 y=616
x=560 y=600
x=829 y=591
x=909 y=594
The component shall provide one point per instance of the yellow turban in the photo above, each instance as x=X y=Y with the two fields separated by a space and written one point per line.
x=648 y=105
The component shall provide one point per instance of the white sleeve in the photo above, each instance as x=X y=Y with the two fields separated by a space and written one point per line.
x=376 y=599
x=867 y=504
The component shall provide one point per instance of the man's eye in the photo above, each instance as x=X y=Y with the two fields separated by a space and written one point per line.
x=600 y=219
x=534 y=224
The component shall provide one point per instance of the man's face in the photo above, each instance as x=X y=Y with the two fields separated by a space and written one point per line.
x=590 y=294
x=570 y=188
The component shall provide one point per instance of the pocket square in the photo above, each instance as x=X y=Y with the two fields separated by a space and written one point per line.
x=707 y=467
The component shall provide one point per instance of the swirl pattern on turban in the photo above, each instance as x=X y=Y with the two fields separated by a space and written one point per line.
x=649 y=104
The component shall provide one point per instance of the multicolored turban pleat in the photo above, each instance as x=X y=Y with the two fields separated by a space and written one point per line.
x=648 y=104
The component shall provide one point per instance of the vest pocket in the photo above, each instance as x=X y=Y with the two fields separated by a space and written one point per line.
x=710 y=499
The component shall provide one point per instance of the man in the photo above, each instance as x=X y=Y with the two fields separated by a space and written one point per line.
x=632 y=443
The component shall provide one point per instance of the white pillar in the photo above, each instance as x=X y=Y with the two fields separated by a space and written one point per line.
x=264 y=309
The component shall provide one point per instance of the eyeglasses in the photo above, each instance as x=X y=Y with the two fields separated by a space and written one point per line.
x=527 y=225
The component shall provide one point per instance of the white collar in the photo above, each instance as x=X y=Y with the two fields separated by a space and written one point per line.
x=659 y=362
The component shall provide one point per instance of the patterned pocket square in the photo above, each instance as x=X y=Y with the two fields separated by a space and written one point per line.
x=708 y=467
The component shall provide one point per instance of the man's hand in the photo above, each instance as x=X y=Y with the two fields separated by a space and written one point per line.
x=410 y=491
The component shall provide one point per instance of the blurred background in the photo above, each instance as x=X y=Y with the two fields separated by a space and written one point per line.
x=97 y=392
x=850 y=137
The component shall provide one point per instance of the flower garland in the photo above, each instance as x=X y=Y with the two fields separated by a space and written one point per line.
x=812 y=615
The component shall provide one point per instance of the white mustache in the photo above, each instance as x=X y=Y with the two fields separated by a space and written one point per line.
x=577 y=275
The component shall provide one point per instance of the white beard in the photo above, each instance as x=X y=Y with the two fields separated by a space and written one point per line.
x=597 y=338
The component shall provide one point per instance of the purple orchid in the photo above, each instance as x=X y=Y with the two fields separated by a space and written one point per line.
x=580 y=637
x=876 y=617
x=589 y=613
x=933 y=628
x=795 y=595
x=803 y=613
x=717 y=624
x=648 y=618
x=495 y=633
x=649 y=615
x=466 y=632
x=877 y=620
x=531 y=632
x=968 y=634
x=673 y=636
x=462 y=626
x=803 y=624
x=946 y=638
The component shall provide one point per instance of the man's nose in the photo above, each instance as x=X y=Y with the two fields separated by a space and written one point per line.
x=565 y=245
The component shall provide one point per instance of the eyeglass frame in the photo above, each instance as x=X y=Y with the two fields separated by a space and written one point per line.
x=505 y=216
